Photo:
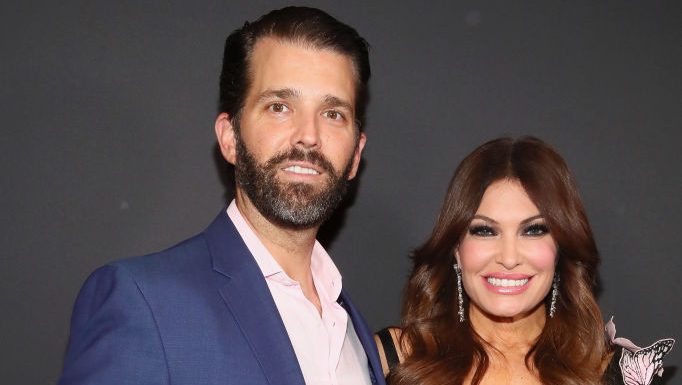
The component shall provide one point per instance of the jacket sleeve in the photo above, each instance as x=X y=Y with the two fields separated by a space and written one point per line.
x=114 y=338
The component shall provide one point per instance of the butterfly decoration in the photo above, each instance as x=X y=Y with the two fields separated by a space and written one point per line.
x=639 y=365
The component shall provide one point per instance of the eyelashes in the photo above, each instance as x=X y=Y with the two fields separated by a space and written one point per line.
x=531 y=230
x=334 y=115
x=482 y=231
x=536 y=229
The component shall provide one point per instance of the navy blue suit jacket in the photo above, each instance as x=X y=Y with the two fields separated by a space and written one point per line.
x=197 y=313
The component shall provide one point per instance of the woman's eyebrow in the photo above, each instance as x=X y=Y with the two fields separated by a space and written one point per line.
x=523 y=222
x=483 y=217
x=531 y=219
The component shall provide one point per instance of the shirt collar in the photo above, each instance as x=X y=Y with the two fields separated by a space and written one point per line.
x=325 y=273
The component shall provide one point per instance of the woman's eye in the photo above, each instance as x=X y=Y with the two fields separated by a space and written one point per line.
x=482 y=231
x=278 y=108
x=536 y=230
x=334 y=115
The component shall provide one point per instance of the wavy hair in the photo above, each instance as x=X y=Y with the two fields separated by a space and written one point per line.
x=571 y=349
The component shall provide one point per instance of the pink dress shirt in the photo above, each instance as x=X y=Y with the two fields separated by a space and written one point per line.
x=327 y=348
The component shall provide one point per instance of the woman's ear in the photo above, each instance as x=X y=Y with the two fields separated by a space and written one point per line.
x=456 y=253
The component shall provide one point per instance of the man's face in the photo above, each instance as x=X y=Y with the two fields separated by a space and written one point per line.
x=296 y=144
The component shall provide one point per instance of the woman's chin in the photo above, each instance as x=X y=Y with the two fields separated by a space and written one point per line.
x=512 y=313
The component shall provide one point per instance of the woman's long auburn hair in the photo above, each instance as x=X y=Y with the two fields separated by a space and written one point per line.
x=571 y=349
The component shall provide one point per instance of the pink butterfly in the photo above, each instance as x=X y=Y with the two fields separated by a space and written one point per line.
x=639 y=365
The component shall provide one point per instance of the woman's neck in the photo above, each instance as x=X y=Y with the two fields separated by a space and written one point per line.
x=512 y=334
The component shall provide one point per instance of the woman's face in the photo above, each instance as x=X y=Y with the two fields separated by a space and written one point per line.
x=507 y=255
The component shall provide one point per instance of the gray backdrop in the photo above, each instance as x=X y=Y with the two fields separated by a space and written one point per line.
x=108 y=149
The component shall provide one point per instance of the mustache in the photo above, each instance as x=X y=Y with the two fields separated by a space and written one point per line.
x=296 y=154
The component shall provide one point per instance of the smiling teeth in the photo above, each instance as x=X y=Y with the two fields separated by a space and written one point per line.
x=507 y=282
x=301 y=170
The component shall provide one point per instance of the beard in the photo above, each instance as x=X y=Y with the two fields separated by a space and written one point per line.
x=296 y=205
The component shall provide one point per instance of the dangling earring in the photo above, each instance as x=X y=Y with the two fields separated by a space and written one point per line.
x=555 y=294
x=460 y=296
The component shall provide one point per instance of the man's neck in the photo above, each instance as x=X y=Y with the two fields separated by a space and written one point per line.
x=291 y=248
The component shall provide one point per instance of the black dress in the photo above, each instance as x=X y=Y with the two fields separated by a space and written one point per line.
x=614 y=375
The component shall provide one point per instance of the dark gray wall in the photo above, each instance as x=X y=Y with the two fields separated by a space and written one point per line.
x=107 y=142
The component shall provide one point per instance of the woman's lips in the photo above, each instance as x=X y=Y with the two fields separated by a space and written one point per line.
x=507 y=283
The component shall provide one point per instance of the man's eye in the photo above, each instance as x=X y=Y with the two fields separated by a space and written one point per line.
x=278 y=108
x=334 y=115
x=536 y=230
x=482 y=231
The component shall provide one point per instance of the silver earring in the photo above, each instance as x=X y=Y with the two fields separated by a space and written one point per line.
x=460 y=296
x=555 y=294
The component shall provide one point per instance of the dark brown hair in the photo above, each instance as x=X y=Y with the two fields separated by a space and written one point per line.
x=571 y=348
x=309 y=27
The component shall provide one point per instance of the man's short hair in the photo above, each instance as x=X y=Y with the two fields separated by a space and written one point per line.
x=309 y=27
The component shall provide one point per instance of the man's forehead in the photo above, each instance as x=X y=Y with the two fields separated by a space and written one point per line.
x=268 y=45
x=279 y=63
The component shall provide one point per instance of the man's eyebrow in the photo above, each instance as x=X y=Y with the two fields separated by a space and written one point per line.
x=333 y=101
x=282 y=93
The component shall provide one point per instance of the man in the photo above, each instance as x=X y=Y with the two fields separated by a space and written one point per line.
x=254 y=299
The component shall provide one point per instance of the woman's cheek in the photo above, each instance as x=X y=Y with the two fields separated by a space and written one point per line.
x=475 y=254
x=543 y=254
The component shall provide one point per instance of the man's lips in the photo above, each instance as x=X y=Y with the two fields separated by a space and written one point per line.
x=301 y=168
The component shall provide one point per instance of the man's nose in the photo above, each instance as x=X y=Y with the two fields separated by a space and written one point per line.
x=306 y=131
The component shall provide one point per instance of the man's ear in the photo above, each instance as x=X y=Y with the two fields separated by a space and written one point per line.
x=357 y=155
x=224 y=132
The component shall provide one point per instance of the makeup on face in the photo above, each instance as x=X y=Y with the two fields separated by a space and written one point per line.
x=508 y=255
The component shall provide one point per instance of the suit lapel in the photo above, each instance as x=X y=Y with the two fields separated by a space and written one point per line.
x=366 y=339
x=248 y=298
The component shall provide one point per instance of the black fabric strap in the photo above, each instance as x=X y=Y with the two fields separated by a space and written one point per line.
x=389 y=348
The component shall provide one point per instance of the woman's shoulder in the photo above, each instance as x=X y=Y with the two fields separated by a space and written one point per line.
x=634 y=365
x=388 y=344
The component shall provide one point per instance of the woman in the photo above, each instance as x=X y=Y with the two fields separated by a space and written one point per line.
x=502 y=291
